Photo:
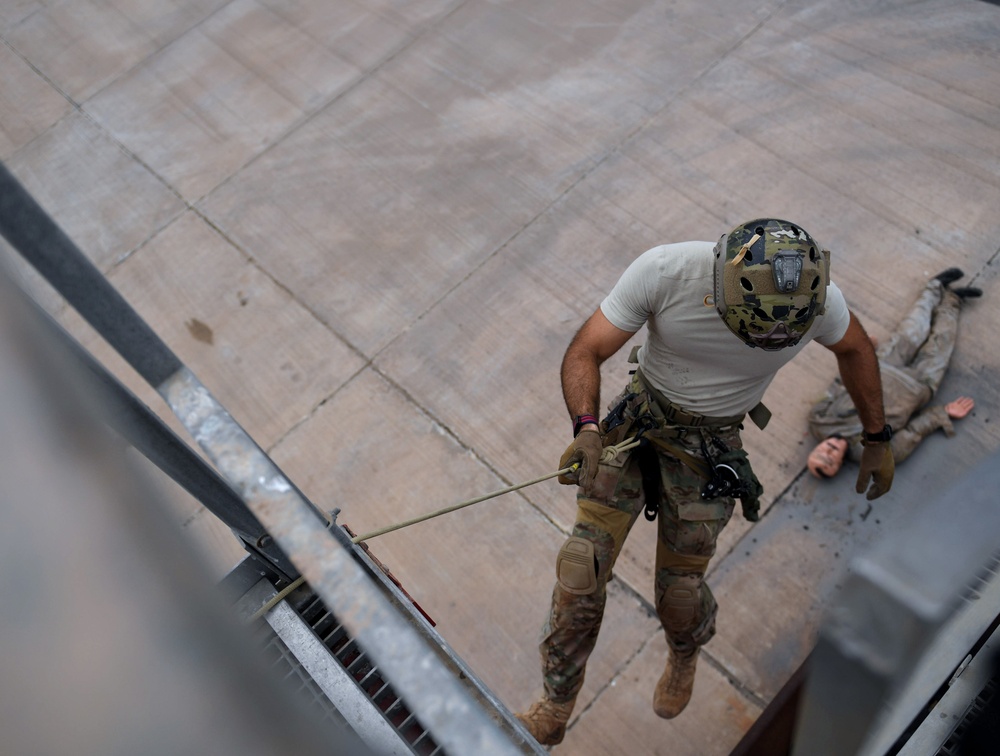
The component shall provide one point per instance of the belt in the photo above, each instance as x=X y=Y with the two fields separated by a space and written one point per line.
x=678 y=416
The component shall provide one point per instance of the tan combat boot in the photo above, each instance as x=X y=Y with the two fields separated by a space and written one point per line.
x=673 y=691
x=546 y=720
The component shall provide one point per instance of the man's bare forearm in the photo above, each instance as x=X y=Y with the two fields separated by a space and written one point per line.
x=596 y=340
x=581 y=380
x=861 y=376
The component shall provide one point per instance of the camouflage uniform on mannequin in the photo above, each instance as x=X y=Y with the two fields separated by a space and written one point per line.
x=913 y=363
x=701 y=370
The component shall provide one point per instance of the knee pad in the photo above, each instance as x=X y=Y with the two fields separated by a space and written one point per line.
x=680 y=603
x=687 y=610
x=576 y=566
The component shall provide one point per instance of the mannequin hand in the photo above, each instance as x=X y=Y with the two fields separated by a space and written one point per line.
x=586 y=451
x=878 y=465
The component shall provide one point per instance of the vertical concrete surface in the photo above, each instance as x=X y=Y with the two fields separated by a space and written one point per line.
x=372 y=227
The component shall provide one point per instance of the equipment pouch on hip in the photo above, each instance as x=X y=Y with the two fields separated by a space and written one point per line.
x=619 y=423
x=732 y=475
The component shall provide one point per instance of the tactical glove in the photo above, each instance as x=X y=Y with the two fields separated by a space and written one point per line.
x=878 y=465
x=586 y=450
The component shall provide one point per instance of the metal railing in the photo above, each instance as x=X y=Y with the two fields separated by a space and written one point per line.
x=391 y=632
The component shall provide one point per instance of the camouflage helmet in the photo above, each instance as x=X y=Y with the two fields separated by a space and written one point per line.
x=770 y=282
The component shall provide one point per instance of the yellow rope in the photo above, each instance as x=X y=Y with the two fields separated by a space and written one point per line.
x=609 y=454
x=271 y=602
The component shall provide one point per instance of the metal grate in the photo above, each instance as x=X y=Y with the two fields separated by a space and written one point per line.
x=988 y=573
x=954 y=745
x=360 y=667
x=281 y=660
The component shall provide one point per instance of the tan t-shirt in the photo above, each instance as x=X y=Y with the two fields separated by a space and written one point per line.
x=690 y=355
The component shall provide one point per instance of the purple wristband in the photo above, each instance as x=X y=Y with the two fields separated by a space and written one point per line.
x=582 y=420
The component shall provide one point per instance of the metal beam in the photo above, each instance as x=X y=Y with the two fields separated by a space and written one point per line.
x=41 y=242
x=893 y=606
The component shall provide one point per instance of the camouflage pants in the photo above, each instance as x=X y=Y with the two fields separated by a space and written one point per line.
x=913 y=362
x=924 y=340
x=687 y=529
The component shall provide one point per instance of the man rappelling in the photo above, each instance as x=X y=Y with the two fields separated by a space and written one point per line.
x=721 y=320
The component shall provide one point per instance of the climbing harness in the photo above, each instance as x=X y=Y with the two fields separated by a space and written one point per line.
x=660 y=424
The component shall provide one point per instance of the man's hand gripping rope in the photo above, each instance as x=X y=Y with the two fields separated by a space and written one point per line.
x=580 y=460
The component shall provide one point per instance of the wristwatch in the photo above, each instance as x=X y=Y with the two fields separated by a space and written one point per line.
x=877 y=438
